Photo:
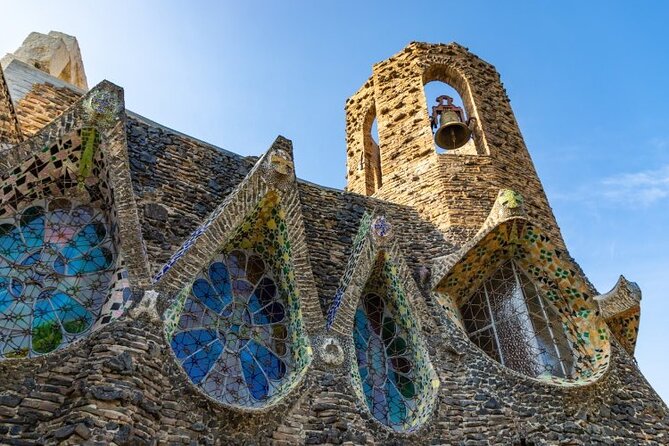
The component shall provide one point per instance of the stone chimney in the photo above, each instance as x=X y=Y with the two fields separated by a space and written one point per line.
x=55 y=53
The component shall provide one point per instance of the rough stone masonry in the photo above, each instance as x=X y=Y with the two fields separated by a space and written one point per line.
x=400 y=251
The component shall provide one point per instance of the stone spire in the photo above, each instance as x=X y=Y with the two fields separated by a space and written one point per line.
x=55 y=53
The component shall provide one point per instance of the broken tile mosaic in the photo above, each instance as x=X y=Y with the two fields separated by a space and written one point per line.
x=556 y=279
x=61 y=275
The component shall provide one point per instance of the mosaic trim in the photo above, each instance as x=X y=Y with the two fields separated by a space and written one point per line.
x=556 y=279
x=621 y=309
x=392 y=373
x=228 y=342
x=62 y=276
x=358 y=246
x=183 y=249
x=625 y=327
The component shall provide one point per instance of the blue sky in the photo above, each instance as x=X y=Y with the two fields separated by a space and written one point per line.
x=587 y=82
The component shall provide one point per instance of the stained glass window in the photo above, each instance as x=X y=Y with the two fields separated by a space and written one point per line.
x=384 y=362
x=232 y=335
x=56 y=266
x=509 y=320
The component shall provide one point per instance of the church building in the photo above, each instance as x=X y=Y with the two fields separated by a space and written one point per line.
x=158 y=290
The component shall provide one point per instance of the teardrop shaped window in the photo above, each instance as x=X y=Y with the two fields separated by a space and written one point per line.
x=239 y=335
x=395 y=375
x=232 y=337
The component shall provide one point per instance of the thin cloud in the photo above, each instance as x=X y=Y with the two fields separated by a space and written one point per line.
x=638 y=189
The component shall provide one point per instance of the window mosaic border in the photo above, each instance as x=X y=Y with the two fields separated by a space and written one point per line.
x=386 y=276
x=265 y=233
x=53 y=177
x=556 y=278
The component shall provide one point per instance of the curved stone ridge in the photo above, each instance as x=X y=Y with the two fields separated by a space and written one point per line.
x=392 y=371
x=237 y=330
x=622 y=311
x=358 y=246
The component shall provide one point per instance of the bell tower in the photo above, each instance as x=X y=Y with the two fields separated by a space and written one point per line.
x=484 y=149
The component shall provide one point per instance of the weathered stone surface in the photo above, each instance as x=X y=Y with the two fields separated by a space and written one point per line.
x=123 y=385
x=55 y=53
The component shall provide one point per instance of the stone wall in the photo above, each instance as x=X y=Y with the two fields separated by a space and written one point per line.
x=177 y=182
x=41 y=105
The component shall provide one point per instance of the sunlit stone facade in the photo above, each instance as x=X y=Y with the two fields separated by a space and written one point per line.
x=155 y=289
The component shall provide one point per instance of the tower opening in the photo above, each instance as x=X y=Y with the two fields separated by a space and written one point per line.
x=370 y=160
x=449 y=119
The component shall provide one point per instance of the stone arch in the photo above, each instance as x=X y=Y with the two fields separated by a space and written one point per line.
x=451 y=76
x=360 y=114
x=233 y=295
x=65 y=256
x=371 y=155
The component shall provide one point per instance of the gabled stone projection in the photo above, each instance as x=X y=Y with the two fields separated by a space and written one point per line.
x=390 y=368
x=62 y=273
x=565 y=302
x=393 y=373
x=236 y=329
x=239 y=334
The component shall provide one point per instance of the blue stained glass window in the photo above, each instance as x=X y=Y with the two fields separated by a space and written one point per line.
x=231 y=338
x=56 y=265
x=384 y=363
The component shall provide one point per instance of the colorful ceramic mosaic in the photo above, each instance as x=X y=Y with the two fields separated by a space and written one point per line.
x=60 y=274
x=358 y=245
x=381 y=227
x=185 y=247
x=625 y=327
x=237 y=330
x=555 y=278
x=510 y=321
x=392 y=373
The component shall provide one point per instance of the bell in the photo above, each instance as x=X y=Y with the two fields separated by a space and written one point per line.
x=452 y=132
